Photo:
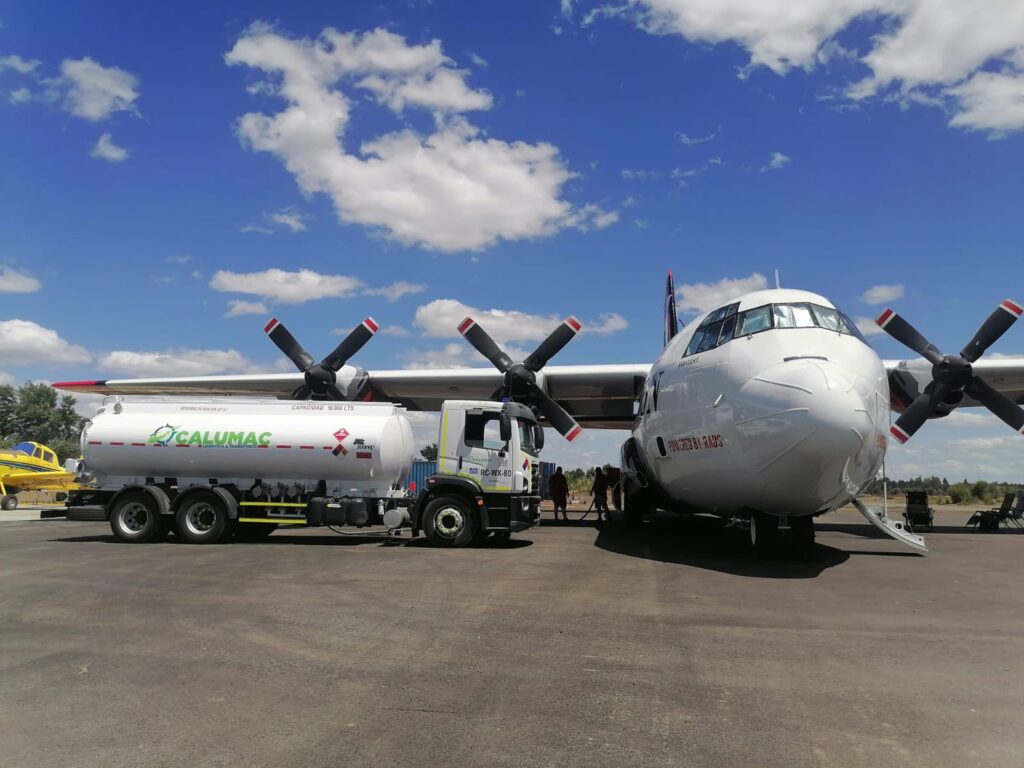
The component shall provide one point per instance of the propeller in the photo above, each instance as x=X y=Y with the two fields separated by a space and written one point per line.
x=520 y=383
x=321 y=378
x=952 y=375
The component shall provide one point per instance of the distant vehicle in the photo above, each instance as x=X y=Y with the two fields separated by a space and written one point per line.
x=209 y=468
x=918 y=513
x=31 y=467
x=770 y=409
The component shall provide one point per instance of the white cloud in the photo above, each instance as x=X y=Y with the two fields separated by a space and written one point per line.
x=178 y=362
x=880 y=294
x=990 y=101
x=776 y=162
x=286 y=287
x=106 y=149
x=286 y=218
x=12 y=281
x=868 y=327
x=6 y=378
x=182 y=258
x=640 y=174
x=294 y=221
x=452 y=355
x=451 y=190
x=692 y=141
x=478 y=61
x=396 y=290
x=611 y=322
x=394 y=330
x=237 y=307
x=20 y=96
x=988 y=444
x=702 y=297
x=965 y=55
x=94 y=92
x=23 y=342
x=440 y=319
x=18 y=64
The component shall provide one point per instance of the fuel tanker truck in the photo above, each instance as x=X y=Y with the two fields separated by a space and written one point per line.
x=210 y=469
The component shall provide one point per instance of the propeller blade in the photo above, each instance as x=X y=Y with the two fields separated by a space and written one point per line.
x=998 y=403
x=553 y=344
x=996 y=325
x=555 y=414
x=907 y=335
x=351 y=344
x=484 y=344
x=910 y=420
x=288 y=344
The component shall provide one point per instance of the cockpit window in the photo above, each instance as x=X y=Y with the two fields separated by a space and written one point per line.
x=24 y=448
x=727 y=323
x=754 y=321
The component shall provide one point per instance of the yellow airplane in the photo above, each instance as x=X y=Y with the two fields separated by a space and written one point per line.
x=31 y=467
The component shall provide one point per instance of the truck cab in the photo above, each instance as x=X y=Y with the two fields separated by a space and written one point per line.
x=488 y=473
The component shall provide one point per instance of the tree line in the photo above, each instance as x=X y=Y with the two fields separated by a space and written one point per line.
x=35 y=412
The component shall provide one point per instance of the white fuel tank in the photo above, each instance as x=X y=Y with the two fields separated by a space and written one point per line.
x=270 y=439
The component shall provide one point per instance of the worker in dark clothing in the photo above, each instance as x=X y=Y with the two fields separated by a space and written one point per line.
x=600 y=491
x=558 y=488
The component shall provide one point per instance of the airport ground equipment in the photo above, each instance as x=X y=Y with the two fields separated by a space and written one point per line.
x=917 y=513
x=990 y=519
x=207 y=468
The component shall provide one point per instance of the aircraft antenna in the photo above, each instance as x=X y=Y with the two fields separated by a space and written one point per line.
x=777 y=284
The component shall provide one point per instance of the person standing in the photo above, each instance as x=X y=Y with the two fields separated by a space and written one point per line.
x=600 y=491
x=558 y=489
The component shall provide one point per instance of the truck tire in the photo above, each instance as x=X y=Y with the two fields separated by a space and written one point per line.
x=448 y=521
x=135 y=519
x=9 y=502
x=202 y=519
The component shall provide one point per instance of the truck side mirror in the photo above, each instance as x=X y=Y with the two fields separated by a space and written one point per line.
x=538 y=437
x=506 y=427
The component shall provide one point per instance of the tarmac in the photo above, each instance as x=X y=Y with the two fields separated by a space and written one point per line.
x=576 y=646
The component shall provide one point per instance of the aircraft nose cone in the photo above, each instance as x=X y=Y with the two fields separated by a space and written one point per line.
x=809 y=431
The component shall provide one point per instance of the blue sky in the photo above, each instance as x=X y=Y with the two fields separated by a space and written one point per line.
x=550 y=157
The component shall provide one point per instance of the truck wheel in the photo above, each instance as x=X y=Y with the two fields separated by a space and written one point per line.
x=448 y=522
x=135 y=518
x=202 y=519
x=9 y=502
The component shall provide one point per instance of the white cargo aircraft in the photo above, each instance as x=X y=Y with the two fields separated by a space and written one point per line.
x=769 y=410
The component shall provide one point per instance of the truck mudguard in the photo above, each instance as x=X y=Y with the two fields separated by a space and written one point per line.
x=163 y=504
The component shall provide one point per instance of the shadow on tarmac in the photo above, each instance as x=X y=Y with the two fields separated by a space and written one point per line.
x=337 y=540
x=705 y=542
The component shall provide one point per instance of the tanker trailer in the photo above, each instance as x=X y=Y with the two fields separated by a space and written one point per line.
x=208 y=467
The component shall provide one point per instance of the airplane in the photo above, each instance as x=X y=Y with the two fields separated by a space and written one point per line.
x=31 y=467
x=768 y=410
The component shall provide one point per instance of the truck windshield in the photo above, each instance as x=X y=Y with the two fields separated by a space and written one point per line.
x=526 y=436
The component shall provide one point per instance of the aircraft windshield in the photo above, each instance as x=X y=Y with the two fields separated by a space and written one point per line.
x=25 y=448
x=726 y=323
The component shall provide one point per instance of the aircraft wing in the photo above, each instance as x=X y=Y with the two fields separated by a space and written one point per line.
x=598 y=396
x=1006 y=374
x=58 y=480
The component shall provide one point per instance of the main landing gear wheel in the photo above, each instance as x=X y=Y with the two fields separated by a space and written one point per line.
x=135 y=519
x=764 y=533
x=202 y=519
x=634 y=505
x=448 y=522
x=801 y=531
x=9 y=502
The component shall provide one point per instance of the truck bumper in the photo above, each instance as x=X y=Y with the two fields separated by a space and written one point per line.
x=520 y=514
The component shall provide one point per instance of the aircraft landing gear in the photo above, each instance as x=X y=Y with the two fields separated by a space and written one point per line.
x=764 y=533
x=767 y=538
x=633 y=503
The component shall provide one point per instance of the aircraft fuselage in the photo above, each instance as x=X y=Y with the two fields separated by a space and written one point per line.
x=786 y=413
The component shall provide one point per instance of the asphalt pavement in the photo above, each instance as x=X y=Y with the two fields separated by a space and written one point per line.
x=576 y=646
